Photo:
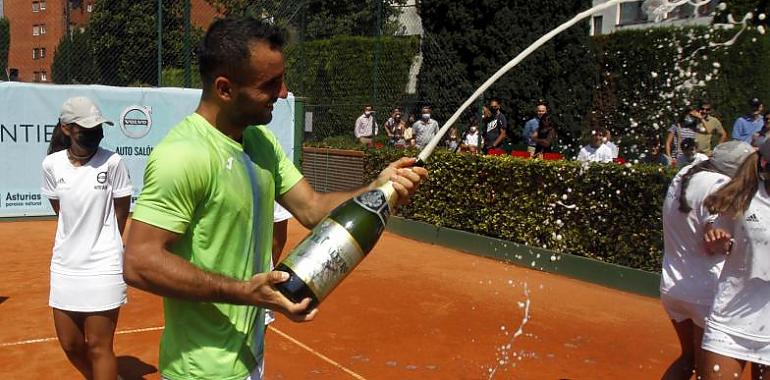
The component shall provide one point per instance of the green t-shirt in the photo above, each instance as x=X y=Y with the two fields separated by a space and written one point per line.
x=202 y=185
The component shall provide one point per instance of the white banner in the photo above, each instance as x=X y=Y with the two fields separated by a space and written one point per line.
x=142 y=117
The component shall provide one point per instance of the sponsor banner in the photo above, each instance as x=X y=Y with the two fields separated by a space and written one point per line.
x=142 y=117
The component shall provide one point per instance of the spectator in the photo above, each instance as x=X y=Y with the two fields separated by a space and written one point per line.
x=608 y=141
x=391 y=124
x=366 y=126
x=596 y=151
x=685 y=129
x=425 y=128
x=747 y=125
x=708 y=128
x=453 y=139
x=495 y=106
x=494 y=133
x=688 y=155
x=654 y=155
x=531 y=127
x=408 y=135
x=761 y=136
x=545 y=136
x=471 y=140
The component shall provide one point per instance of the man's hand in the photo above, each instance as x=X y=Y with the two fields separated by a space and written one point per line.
x=261 y=291
x=405 y=176
x=717 y=240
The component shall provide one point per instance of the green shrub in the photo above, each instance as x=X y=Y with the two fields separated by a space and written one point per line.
x=335 y=76
x=608 y=212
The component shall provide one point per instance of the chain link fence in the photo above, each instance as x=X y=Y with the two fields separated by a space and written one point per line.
x=340 y=56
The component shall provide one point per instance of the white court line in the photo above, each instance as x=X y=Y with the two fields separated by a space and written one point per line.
x=43 y=340
x=134 y=331
x=316 y=353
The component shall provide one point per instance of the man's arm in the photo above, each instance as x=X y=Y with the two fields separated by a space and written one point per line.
x=721 y=131
x=500 y=138
x=148 y=265
x=309 y=206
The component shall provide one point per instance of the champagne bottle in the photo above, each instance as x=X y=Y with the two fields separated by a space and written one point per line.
x=336 y=246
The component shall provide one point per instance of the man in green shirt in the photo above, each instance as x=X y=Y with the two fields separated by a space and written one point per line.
x=708 y=128
x=202 y=230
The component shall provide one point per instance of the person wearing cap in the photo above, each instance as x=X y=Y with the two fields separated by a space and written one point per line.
x=90 y=190
x=689 y=272
x=747 y=125
x=736 y=331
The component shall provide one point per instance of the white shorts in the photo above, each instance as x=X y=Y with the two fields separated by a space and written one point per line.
x=734 y=346
x=87 y=293
x=680 y=311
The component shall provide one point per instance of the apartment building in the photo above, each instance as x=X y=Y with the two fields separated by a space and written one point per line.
x=630 y=15
x=37 y=26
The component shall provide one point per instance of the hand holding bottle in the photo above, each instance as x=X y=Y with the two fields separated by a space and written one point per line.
x=261 y=290
x=405 y=176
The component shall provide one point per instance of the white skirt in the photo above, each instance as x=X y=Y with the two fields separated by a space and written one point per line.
x=87 y=293
x=726 y=344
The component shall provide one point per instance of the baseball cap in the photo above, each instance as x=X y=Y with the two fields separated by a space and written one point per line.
x=83 y=112
x=728 y=156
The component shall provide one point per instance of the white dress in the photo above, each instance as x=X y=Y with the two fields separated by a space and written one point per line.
x=738 y=325
x=87 y=262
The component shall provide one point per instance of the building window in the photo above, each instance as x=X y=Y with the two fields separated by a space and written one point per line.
x=44 y=76
x=597 y=25
x=35 y=6
x=35 y=53
x=42 y=52
x=89 y=8
x=631 y=13
x=37 y=76
x=38 y=29
x=42 y=5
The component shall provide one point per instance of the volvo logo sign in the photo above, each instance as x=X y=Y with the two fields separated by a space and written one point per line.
x=136 y=121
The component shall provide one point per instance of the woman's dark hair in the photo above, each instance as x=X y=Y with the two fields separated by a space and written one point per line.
x=225 y=49
x=59 y=141
x=545 y=122
x=703 y=166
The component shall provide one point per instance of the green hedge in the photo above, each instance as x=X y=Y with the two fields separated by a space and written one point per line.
x=335 y=76
x=5 y=43
x=616 y=216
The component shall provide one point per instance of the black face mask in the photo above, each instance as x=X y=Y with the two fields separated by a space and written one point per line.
x=495 y=110
x=89 y=139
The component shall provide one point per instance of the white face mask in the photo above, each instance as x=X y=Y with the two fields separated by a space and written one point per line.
x=473 y=129
x=604 y=139
x=426 y=116
x=367 y=113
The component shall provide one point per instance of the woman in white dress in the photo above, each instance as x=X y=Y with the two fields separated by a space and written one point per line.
x=90 y=190
x=737 y=330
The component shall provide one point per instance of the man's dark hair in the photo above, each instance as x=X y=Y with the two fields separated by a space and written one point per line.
x=224 y=50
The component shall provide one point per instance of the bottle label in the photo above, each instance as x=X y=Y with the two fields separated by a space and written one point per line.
x=375 y=201
x=325 y=257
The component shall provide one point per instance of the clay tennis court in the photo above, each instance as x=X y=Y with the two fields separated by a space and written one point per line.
x=410 y=311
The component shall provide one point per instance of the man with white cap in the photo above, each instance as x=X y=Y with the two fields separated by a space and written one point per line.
x=90 y=190
x=690 y=273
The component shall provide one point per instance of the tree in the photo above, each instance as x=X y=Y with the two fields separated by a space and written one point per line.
x=73 y=61
x=319 y=19
x=5 y=42
x=125 y=41
x=471 y=40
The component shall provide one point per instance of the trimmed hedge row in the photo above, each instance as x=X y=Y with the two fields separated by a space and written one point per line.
x=607 y=212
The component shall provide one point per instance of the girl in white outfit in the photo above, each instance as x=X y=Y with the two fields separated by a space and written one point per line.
x=90 y=190
x=738 y=325
x=690 y=273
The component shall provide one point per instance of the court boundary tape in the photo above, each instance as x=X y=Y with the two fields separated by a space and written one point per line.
x=147 y=329
x=316 y=353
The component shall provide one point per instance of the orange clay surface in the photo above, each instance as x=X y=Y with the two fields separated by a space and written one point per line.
x=409 y=311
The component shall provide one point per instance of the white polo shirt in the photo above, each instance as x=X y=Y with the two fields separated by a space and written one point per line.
x=689 y=272
x=88 y=241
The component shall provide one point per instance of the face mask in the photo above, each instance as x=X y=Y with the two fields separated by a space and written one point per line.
x=604 y=139
x=397 y=117
x=426 y=116
x=495 y=110
x=367 y=113
x=473 y=129
x=89 y=139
